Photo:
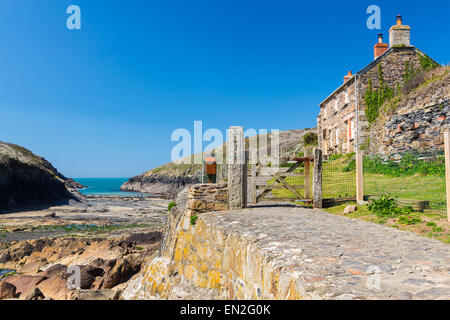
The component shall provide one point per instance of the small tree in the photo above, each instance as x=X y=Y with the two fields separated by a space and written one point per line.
x=310 y=139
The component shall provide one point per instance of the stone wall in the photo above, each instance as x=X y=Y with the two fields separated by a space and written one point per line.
x=414 y=123
x=205 y=261
x=162 y=274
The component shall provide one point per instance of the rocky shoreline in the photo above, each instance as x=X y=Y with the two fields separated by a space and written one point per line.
x=161 y=185
x=107 y=240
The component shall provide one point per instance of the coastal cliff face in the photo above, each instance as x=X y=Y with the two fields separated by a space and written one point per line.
x=171 y=178
x=168 y=182
x=27 y=180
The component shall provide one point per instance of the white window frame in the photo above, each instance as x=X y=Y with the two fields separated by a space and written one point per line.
x=337 y=136
x=336 y=105
x=347 y=99
x=352 y=128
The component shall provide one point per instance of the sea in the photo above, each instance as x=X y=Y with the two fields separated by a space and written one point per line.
x=106 y=187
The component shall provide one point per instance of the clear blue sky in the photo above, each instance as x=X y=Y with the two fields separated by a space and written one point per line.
x=103 y=101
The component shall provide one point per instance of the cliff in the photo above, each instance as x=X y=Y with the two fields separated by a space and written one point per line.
x=171 y=178
x=414 y=121
x=28 y=180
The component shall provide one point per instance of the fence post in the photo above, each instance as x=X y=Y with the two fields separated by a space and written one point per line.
x=359 y=178
x=447 y=171
x=317 y=179
x=307 y=179
x=237 y=169
x=253 y=185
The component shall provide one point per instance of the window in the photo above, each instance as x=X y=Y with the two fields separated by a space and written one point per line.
x=347 y=99
x=337 y=136
x=352 y=128
x=335 y=105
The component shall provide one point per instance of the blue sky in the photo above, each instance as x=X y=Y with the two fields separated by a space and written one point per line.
x=103 y=101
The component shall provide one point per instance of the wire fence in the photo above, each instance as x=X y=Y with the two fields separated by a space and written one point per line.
x=339 y=179
x=412 y=179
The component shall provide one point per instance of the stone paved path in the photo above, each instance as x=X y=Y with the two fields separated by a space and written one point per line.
x=344 y=258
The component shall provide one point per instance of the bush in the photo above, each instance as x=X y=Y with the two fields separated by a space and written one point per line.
x=410 y=164
x=351 y=166
x=171 y=205
x=386 y=207
x=194 y=219
x=335 y=156
x=431 y=224
x=437 y=229
x=310 y=139
x=409 y=220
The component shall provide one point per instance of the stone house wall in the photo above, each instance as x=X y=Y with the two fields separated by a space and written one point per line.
x=330 y=119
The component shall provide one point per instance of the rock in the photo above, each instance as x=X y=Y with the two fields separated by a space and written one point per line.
x=350 y=209
x=88 y=275
x=120 y=273
x=27 y=179
x=103 y=294
x=403 y=295
x=56 y=288
x=57 y=270
x=35 y=294
x=7 y=290
x=24 y=284
x=50 y=215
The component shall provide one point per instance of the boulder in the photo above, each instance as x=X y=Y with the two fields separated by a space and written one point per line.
x=350 y=209
x=24 y=284
x=103 y=294
x=7 y=290
x=120 y=273
x=35 y=294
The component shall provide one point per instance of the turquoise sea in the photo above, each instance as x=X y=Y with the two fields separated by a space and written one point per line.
x=106 y=187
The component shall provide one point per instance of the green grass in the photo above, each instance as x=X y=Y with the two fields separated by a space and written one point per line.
x=438 y=229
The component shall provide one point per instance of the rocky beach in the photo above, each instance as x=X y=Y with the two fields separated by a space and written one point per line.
x=50 y=231
x=108 y=238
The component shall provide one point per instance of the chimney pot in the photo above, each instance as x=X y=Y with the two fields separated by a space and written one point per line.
x=380 y=38
x=348 y=76
x=399 y=20
x=379 y=47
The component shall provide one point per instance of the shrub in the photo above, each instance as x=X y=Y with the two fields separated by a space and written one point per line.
x=310 y=139
x=437 y=229
x=385 y=206
x=409 y=219
x=351 y=166
x=410 y=164
x=194 y=219
x=431 y=224
x=335 y=156
x=171 y=205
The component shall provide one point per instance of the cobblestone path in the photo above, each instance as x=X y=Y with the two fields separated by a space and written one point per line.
x=343 y=258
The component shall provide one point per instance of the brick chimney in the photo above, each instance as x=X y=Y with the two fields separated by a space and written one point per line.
x=400 y=35
x=380 y=47
x=348 y=76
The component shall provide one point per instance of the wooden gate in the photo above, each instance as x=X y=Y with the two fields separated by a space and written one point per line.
x=282 y=184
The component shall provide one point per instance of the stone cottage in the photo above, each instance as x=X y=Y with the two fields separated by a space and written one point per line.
x=342 y=124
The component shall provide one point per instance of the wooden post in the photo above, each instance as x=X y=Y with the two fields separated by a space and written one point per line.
x=447 y=170
x=359 y=178
x=317 y=179
x=307 y=180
